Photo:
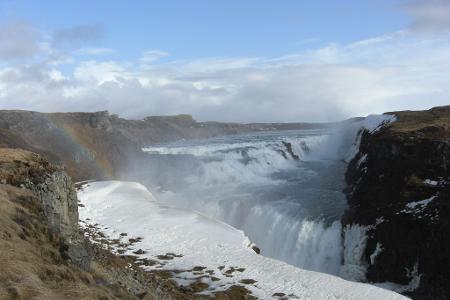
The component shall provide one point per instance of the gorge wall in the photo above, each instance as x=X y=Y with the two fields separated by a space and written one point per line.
x=398 y=186
x=100 y=146
x=44 y=254
x=399 y=190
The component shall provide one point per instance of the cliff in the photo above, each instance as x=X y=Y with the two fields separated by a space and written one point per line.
x=55 y=193
x=103 y=146
x=399 y=189
x=85 y=143
x=43 y=253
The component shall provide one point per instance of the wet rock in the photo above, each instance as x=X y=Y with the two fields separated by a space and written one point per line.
x=255 y=248
x=247 y=281
x=407 y=219
x=139 y=252
x=290 y=150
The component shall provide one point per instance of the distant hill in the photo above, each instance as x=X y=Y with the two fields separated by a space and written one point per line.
x=100 y=145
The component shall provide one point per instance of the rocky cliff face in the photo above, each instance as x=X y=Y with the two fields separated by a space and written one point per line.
x=42 y=253
x=84 y=142
x=55 y=192
x=399 y=189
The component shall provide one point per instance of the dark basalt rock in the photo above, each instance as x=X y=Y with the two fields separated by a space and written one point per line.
x=290 y=151
x=408 y=217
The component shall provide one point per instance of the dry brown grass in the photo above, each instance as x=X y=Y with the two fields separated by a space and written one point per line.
x=17 y=165
x=30 y=263
x=31 y=266
x=434 y=123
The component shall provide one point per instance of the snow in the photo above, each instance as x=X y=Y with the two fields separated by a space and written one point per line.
x=355 y=240
x=372 y=124
x=422 y=203
x=417 y=206
x=191 y=239
x=379 y=220
x=363 y=159
x=431 y=182
x=376 y=252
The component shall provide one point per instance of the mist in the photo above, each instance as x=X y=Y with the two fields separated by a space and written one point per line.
x=283 y=189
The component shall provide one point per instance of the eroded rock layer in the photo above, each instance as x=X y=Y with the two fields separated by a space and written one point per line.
x=399 y=188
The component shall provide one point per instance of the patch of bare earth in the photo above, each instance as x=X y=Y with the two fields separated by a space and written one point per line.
x=110 y=254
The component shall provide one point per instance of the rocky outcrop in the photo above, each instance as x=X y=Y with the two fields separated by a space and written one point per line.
x=59 y=201
x=85 y=143
x=44 y=256
x=55 y=192
x=399 y=190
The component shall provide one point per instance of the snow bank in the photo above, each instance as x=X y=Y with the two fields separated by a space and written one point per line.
x=431 y=182
x=417 y=206
x=372 y=124
x=182 y=240
x=422 y=203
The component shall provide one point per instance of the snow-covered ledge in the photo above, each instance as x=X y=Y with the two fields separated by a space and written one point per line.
x=180 y=240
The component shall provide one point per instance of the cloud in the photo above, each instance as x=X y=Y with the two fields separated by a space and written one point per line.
x=396 y=71
x=78 y=35
x=153 y=55
x=94 y=51
x=211 y=65
x=430 y=16
x=18 y=40
x=100 y=72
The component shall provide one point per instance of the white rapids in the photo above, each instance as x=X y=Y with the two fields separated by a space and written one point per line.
x=283 y=189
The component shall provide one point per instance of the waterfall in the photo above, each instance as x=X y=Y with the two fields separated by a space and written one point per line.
x=283 y=189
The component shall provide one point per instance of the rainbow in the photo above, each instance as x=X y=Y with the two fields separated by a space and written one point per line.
x=84 y=144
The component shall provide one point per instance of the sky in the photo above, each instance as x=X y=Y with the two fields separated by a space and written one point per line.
x=243 y=61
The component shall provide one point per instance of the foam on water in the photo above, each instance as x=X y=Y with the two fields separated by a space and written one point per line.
x=234 y=161
x=283 y=189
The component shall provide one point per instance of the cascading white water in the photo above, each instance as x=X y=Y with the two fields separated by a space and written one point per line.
x=283 y=189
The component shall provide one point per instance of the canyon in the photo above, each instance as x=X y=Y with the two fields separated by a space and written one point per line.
x=397 y=190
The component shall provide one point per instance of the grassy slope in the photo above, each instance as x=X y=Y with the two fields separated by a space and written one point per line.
x=30 y=261
x=433 y=123
x=31 y=265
